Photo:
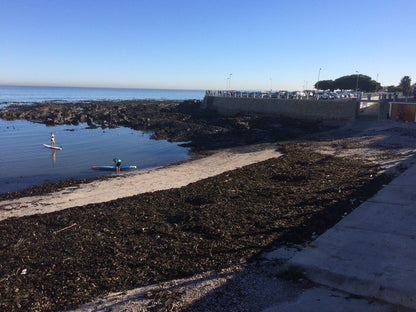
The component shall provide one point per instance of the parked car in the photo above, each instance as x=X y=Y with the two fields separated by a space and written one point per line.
x=322 y=96
x=299 y=94
x=325 y=96
x=309 y=92
x=333 y=95
x=283 y=94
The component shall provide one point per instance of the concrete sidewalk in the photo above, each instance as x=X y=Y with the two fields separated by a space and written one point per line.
x=372 y=251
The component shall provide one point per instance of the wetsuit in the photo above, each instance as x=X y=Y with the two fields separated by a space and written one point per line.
x=117 y=161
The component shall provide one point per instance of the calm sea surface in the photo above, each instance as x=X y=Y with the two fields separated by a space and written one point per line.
x=23 y=94
x=25 y=162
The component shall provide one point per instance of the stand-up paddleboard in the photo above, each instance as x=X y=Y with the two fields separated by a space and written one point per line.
x=53 y=147
x=113 y=167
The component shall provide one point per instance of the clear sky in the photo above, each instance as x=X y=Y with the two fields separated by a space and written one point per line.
x=192 y=44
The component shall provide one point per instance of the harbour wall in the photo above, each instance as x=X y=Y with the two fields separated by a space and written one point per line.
x=294 y=108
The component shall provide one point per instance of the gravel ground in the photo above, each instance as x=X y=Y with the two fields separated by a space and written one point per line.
x=250 y=287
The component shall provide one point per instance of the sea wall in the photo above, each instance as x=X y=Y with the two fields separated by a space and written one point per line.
x=301 y=109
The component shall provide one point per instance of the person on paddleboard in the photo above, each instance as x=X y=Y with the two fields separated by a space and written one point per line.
x=52 y=140
x=117 y=161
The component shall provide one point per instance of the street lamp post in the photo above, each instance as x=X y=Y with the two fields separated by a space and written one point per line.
x=356 y=87
x=306 y=89
x=317 y=84
x=271 y=85
x=229 y=82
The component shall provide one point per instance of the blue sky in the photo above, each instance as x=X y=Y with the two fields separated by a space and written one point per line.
x=192 y=44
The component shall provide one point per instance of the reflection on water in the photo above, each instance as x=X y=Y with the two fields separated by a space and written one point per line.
x=53 y=157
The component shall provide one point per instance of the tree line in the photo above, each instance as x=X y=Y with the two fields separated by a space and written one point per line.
x=362 y=83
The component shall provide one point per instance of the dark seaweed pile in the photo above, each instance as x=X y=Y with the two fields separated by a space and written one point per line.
x=59 y=260
x=48 y=187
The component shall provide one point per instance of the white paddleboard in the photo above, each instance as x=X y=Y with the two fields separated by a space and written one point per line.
x=53 y=147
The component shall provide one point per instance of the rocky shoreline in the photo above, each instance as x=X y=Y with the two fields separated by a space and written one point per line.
x=174 y=121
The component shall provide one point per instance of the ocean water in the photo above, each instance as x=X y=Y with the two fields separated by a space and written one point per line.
x=25 y=94
x=25 y=162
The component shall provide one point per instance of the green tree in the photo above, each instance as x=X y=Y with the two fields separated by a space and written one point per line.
x=325 y=85
x=365 y=83
x=393 y=89
x=347 y=82
x=405 y=85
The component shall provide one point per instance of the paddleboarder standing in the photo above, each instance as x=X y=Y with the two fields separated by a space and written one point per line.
x=52 y=140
